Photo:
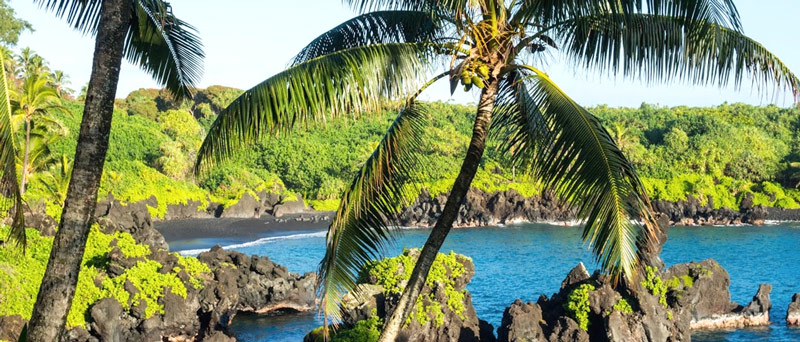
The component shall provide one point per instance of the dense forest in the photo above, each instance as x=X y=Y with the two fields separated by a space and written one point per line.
x=721 y=152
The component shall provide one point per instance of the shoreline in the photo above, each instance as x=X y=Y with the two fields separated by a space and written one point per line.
x=204 y=228
x=194 y=233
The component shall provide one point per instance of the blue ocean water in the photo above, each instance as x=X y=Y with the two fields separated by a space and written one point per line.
x=526 y=260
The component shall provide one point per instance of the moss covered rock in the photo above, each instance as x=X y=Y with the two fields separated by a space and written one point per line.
x=443 y=310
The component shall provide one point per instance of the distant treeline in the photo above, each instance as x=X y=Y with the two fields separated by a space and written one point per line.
x=723 y=152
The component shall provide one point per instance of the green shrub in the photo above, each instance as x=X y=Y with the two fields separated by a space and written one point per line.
x=136 y=182
x=149 y=282
x=391 y=272
x=623 y=306
x=655 y=285
x=325 y=205
x=577 y=305
x=21 y=274
x=367 y=330
x=194 y=268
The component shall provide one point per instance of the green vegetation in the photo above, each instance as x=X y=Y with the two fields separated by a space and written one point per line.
x=392 y=272
x=677 y=283
x=21 y=274
x=11 y=26
x=623 y=306
x=577 y=305
x=155 y=138
x=657 y=287
x=367 y=330
x=720 y=153
x=678 y=151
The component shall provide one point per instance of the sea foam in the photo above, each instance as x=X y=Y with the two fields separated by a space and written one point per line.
x=260 y=241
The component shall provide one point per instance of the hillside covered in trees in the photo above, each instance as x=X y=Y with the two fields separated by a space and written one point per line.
x=722 y=152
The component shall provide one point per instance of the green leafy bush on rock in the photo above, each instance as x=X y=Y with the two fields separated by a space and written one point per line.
x=577 y=305
x=623 y=306
x=21 y=273
x=367 y=330
x=657 y=287
x=393 y=273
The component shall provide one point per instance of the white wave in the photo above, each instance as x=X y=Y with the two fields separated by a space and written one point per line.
x=260 y=241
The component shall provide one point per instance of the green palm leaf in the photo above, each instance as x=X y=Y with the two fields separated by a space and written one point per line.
x=556 y=12
x=83 y=15
x=362 y=225
x=347 y=82
x=568 y=149
x=9 y=185
x=161 y=44
x=166 y=47
x=452 y=7
x=657 y=48
x=381 y=27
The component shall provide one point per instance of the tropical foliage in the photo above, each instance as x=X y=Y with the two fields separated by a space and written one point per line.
x=10 y=25
x=333 y=154
x=389 y=51
x=338 y=100
x=21 y=274
x=319 y=161
x=148 y=34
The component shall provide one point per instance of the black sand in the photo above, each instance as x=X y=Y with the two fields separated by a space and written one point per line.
x=241 y=228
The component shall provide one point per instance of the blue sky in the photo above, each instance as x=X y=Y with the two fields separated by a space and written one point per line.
x=246 y=41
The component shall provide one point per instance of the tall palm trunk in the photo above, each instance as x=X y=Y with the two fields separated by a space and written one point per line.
x=26 y=157
x=61 y=276
x=459 y=191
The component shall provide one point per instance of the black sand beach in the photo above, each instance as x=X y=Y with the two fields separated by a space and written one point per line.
x=207 y=232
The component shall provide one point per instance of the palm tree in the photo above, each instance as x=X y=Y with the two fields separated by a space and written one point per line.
x=9 y=63
x=38 y=155
x=33 y=107
x=29 y=63
x=622 y=137
x=59 y=81
x=147 y=33
x=9 y=184
x=496 y=47
x=56 y=179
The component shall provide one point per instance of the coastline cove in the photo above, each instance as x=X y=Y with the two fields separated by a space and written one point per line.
x=541 y=254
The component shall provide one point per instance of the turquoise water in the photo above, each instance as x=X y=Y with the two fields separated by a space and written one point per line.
x=524 y=261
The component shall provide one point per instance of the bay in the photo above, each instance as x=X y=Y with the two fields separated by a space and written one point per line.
x=527 y=260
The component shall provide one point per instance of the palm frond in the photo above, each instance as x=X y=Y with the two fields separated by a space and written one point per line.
x=382 y=27
x=83 y=15
x=349 y=81
x=166 y=47
x=569 y=151
x=9 y=185
x=657 y=48
x=553 y=12
x=362 y=225
x=454 y=7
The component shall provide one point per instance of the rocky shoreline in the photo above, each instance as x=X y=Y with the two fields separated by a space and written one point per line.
x=664 y=306
x=484 y=209
x=228 y=284
x=692 y=296
x=479 y=209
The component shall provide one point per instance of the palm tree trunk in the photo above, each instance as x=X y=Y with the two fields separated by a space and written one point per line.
x=26 y=157
x=61 y=275
x=391 y=328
